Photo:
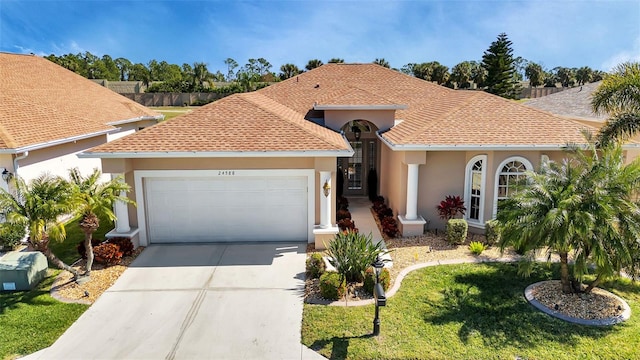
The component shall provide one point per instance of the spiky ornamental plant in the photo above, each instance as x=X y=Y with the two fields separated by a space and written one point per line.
x=93 y=197
x=450 y=207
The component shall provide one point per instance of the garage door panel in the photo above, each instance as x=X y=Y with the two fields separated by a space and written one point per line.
x=205 y=209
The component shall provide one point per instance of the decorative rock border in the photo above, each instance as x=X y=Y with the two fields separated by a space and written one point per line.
x=626 y=313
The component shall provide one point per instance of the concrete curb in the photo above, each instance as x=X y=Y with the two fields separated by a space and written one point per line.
x=626 y=314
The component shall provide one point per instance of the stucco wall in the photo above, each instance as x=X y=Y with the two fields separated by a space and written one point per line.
x=336 y=119
x=128 y=166
x=57 y=160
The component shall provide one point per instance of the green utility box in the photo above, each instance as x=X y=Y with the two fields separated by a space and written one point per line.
x=22 y=270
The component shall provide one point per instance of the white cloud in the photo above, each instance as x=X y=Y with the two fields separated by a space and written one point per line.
x=626 y=55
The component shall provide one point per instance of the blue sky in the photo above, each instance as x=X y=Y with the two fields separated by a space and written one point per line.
x=598 y=34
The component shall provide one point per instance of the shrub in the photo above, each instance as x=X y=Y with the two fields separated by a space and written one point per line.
x=342 y=203
x=389 y=226
x=11 y=234
x=450 y=207
x=351 y=254
x=343 y=214
x=346 y=225
x=370 y=279
x=476 y=247
x=108 y=254
x=315 y=265
x=492 y=232
x=83 y=252
x=125 y=245
x=456 y=231
x=332 y=285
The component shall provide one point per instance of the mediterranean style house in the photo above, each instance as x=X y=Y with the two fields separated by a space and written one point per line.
x=265 y=166
x=49 y=114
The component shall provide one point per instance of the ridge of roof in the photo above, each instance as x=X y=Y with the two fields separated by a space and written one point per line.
x=293 y=118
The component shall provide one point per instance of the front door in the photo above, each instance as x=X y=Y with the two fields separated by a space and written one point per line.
x=355 y=170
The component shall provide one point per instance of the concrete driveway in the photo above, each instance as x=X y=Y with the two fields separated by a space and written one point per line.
x=211 y=301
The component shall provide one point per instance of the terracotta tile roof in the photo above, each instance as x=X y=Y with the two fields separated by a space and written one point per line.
x=249 y=122
x=276 y=118
x=574 y=102
x=42 y=102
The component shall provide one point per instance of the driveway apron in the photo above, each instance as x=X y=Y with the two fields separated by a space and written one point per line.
x=204 y=301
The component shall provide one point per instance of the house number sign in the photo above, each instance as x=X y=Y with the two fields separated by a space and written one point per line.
x=226 y=172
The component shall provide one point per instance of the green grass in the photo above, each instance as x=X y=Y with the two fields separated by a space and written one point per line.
x=66 y=250
x=470 y=311
x=33 y=320
x=170 y=112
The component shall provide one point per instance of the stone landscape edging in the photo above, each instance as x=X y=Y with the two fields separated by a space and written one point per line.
x=626 y=313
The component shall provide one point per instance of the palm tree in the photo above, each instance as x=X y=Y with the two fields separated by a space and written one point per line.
x=313 y=63
x=582 y=206
x=38 y=207
x=93 y=197
x=288 y=71
x=382 y=62
x=619 y=95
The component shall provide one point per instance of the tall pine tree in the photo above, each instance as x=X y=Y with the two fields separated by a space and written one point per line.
x=499 y=64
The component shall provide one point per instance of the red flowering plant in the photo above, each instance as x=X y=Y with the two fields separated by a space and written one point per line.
x=450 y=207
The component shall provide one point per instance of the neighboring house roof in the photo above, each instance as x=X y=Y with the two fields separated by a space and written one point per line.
x=574 y=102
x=42 y=103
x=277 y=118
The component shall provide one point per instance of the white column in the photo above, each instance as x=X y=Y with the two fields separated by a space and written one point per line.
x=121 y=210
x=412 y=192
x=325 y=201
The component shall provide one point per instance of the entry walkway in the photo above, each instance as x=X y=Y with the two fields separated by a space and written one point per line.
x=360 y=208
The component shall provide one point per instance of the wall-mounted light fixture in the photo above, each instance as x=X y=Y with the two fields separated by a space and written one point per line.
x=355 y=129
x=7 y=175
x=326 y=188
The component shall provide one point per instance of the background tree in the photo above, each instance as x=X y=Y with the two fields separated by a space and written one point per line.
x=584 y=206
x=619 y=96
x=382 y=62
x=124 y=66
x=313 y=63
x=231 y=68
x=288 y=71
x=584 y=75
x=92 y=198
x=201 y=75
x=565 y=76
x=139 y=72
x=499 y=63
x=38 y=206
x=461 y=74
x=478 y=74
x=534 y=73
x=335 y=61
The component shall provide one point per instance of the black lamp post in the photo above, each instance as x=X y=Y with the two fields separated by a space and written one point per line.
x=378 y=294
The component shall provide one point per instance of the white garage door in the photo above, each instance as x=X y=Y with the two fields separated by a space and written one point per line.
x=208 y=209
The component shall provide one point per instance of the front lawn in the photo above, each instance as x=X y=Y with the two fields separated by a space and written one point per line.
x=33 y=320
x=469 y=311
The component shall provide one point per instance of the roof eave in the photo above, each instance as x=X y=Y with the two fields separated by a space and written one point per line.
x=216 y=154
x=360 y=107
x=484 y=147
x=139 y=118
x=56 y=142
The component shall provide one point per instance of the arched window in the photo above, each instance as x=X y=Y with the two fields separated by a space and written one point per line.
x=474 y=188
x=509 y=174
